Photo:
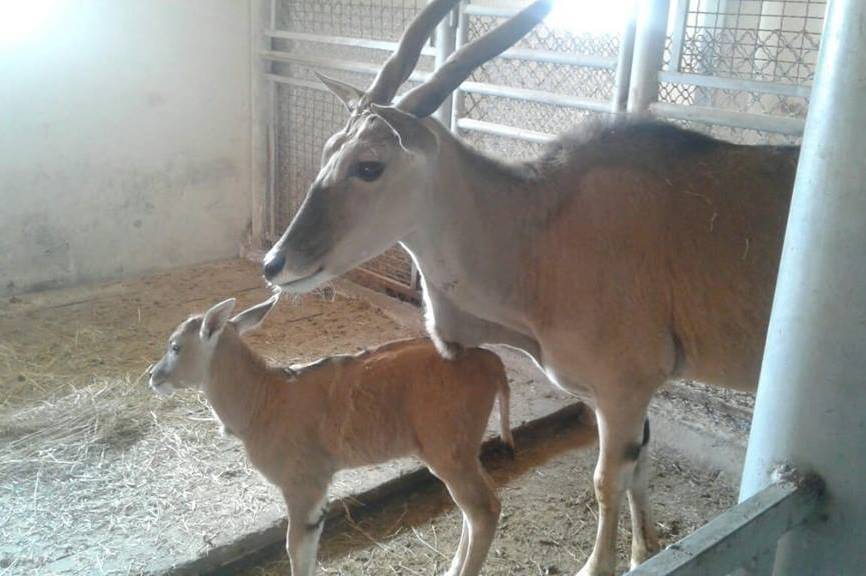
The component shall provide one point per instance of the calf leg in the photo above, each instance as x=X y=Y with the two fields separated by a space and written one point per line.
x=462 y=547
x=620 y=430
x=472 y=490
x=306 y=518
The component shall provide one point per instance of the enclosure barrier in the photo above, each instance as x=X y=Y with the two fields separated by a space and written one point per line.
x=744 y=537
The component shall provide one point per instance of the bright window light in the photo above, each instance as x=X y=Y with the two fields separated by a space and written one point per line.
x=590 y=16
x=22 y=20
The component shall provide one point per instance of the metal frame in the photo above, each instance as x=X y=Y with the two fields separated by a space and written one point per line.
x=745 y=536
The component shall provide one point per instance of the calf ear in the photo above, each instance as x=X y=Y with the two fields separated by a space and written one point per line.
x=215 y=319
x=252 y=318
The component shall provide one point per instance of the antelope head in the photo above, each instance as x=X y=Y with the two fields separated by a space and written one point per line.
x=378 y=172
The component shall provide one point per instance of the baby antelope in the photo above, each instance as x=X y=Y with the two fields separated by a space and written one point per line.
x=301 y=425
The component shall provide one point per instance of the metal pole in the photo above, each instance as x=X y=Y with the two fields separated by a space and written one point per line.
x=652 y=25
x=458 y=107
x=811 y=405
x=445 y=40
x=623 y=64
x=260 y=116
x=678 y=34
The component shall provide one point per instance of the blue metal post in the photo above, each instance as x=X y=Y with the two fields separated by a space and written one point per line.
x=811 y=404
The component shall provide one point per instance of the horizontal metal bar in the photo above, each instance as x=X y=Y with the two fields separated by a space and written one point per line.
x=734 y=537
x=471 y=125
x=546 y=56
x=733 y=119
x=537 y=96
x=333 y=64
x=469 y=87
x=736 y=84
x=349 y=41
x=475 y=10
x=297 y=82
x=550 y=57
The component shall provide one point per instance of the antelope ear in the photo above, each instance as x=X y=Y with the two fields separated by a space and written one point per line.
x=413 y=135
x=252 y=318
x=215 y=319
x=348 y=94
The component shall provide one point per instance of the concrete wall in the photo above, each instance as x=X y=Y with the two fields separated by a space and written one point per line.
x=124 y=140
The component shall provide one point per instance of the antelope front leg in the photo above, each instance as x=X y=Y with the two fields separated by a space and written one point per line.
x=619 y=434
x=644 y=540
x=306 y=518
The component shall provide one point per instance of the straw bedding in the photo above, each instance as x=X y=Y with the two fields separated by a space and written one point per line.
x=97 y=474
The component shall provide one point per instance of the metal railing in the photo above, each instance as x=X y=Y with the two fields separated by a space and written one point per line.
x=742 y=540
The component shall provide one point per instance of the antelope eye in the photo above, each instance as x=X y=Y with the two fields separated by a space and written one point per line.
x=369 y=171
x=175 y=347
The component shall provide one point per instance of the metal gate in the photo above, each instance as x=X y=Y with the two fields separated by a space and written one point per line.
x=738 y=69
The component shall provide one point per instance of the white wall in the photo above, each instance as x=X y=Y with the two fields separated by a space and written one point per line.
x=124 y=140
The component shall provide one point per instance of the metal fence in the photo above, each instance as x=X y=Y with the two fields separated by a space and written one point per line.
x=738 y=69
x=751 y=61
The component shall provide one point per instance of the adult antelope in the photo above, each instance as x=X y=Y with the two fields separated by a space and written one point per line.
x=629 y=254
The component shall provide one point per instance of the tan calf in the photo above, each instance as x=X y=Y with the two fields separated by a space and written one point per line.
x=301 y=425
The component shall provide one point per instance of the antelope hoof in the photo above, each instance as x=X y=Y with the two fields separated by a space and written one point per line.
x=640 y=558
x=590 y=569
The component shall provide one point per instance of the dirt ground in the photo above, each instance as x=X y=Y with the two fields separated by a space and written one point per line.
x=97 y=474
x=548 y=517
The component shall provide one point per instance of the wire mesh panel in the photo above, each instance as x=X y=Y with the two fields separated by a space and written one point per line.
x=378 y=19
x=593 y=82
x=768 y=40
x=760 y=46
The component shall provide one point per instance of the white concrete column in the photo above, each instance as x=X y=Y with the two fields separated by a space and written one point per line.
x=811 y=404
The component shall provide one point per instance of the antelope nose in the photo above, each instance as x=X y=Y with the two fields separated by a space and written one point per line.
x=274 y=265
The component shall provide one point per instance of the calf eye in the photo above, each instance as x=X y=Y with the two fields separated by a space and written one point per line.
x=369 y=171
x=175 y=347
